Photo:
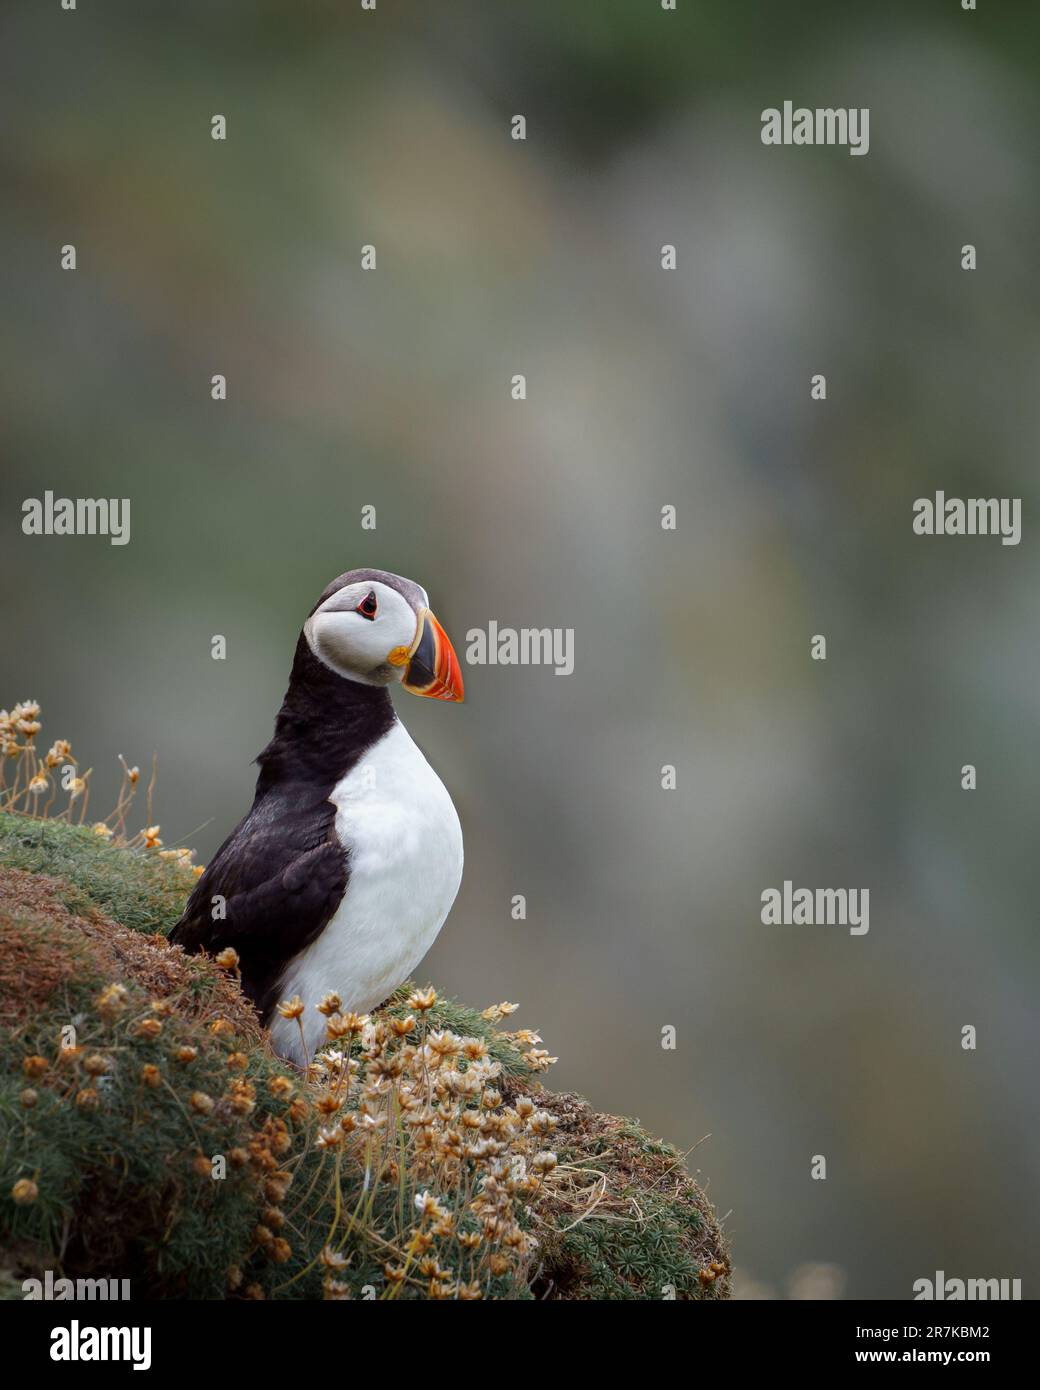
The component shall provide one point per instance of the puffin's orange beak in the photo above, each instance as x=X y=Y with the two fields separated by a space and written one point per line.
x=433 y=668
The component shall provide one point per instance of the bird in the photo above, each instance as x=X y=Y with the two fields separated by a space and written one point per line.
x=342 y=873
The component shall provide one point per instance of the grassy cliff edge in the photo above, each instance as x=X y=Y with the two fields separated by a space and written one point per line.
x=147 y=1131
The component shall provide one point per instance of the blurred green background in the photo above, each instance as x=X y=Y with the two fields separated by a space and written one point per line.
x=690 y=387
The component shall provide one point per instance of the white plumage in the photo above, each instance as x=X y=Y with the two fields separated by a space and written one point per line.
x=402 y=833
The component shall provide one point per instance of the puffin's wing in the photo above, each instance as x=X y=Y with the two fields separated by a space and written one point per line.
x=268 y=895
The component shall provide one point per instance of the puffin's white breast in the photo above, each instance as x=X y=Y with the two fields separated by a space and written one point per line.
x=402 y=833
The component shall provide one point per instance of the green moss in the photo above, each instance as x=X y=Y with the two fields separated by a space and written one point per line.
x=137 y=889
x=634 y=1226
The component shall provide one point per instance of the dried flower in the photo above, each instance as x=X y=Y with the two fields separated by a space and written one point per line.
x=496 y=1012
x=539 y=1060
x=59 y=752
x=276 y=1186
x=241 y=1096
x=111 y=1001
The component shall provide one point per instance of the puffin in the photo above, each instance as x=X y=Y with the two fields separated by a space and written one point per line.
x=341 y=875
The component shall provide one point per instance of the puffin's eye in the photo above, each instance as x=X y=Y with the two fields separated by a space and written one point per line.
x=368 y=607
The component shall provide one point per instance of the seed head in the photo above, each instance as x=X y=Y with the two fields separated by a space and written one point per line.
x=112 y=1000
x=422 y=999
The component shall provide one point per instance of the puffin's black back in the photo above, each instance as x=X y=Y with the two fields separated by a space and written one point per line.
x=282 y=872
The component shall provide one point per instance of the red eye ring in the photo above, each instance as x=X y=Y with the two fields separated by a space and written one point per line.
x=368 y=607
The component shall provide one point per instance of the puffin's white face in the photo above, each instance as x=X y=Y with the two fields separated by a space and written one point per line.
x=369 y=632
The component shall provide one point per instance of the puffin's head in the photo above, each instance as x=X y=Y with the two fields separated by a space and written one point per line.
x=377 y=628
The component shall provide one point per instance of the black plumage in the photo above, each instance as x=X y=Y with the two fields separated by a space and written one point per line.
x=282 y=871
